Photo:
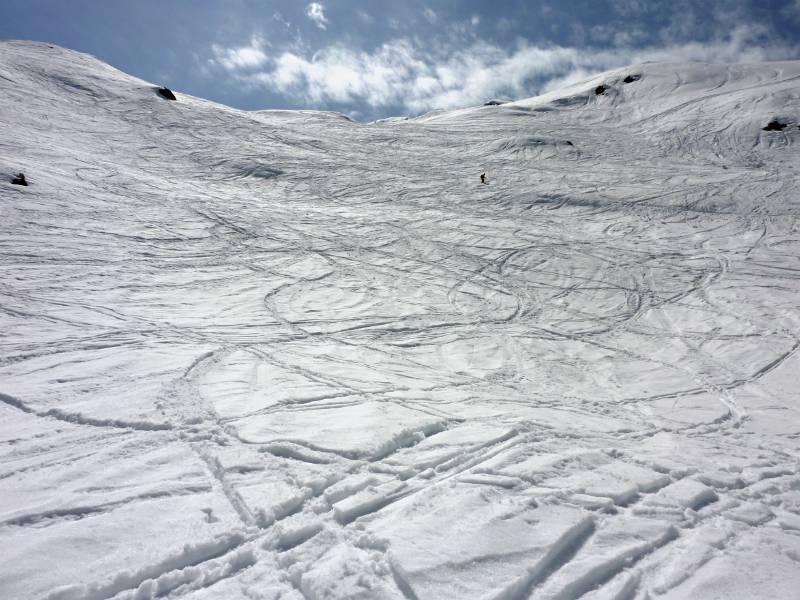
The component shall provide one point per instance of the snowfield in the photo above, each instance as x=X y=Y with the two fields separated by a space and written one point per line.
x=283 y=355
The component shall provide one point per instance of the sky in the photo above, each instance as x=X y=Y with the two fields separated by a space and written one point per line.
x=375 y=59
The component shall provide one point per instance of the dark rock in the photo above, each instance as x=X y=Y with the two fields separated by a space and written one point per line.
x=600 y=89
x=632 y=78
x=165 y=92
x=19 y=179
x=493 y=103
x=774 y=126
x=568 y=143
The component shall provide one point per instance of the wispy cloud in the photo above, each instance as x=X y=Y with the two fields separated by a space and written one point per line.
x=241 y=58
x=793 y=10
x=430 y=15
x=316 y=12
x=405 y=75
x=278 y=18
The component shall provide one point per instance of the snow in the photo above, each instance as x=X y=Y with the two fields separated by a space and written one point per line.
x=286 y=355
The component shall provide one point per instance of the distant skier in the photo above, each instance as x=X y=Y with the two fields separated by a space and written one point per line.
x=483 y=177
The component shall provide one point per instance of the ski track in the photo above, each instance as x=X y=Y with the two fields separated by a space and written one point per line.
x=282 y=354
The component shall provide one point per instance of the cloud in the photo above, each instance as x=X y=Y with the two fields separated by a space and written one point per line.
x=576 y=75
x=405 y=75
x=316 y=12
x=504 y=24
x=278 y=18
x=250 y=56
x=628 y=8
x=430 y=15
x=792 y=10
x=400 y=74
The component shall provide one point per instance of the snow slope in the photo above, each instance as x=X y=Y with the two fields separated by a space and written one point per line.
x=285 y=355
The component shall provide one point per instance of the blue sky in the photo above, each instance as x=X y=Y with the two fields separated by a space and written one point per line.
x=372 y=59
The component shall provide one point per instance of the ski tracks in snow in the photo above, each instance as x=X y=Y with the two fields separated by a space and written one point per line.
x=287 y=355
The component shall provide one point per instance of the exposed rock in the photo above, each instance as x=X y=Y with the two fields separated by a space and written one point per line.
x=493 y=103
x=774 y=126
x=632 y=78
x=19 y=179
x=165 y=92
x=568 y=143
x=600 y=89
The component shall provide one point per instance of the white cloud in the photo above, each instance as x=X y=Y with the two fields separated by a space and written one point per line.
x=576 y=75
x=399 y=73
x=243 y=57
x=476 y=20
x=316 y=12
x=430 y=15
x=404 y=74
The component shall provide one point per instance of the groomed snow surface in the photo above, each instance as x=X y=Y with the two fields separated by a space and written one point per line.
x=283 y=355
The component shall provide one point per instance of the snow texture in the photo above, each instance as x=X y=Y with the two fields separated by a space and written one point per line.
x=285 y=355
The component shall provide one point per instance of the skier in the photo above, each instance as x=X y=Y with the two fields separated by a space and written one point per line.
x=483 y=177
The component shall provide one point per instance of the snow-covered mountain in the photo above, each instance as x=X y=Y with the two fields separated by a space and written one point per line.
x=286 y=355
